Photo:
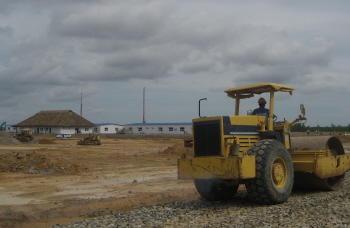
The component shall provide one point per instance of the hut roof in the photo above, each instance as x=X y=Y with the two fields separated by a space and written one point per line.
x=57 y=118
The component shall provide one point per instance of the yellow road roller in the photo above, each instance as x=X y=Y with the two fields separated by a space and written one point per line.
x=258 y=151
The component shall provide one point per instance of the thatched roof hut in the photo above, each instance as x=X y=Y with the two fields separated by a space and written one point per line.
x=57 y=118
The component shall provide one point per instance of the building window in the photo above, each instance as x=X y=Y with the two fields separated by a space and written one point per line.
x=41 y=129
x=130 y=128
x=171 y=129
x=139 y=128
x=182 y=128
x=95 y=129
x=160 y=129
x=86 y=129
x=106 y=128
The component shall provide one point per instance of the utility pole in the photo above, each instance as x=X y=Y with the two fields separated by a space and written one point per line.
x=144 y=108
x=81 y=104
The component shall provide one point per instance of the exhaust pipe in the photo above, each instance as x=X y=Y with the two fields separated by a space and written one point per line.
x=199 y=107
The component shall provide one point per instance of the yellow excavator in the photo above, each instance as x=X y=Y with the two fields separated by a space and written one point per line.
x=259 y=152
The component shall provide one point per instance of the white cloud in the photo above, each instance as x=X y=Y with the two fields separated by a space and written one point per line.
x=196 y=48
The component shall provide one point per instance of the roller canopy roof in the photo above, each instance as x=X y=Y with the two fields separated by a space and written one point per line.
x=249 y=90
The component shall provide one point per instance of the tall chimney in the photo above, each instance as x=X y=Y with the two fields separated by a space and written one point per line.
x=81 y=104
x=144 y=94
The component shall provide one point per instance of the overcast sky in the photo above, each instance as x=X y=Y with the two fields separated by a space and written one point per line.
x=180 y=51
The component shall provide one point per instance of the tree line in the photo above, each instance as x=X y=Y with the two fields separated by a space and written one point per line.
x=298 y=127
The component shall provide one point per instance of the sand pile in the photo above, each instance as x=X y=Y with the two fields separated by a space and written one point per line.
x=46 y=141
x=35 y=163
x=13 y=141
x=10 y=141
x=178 y=149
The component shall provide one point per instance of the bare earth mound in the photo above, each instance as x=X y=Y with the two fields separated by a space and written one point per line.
x=36 y=163
x=46 y=141
x=9 y=141
x=178 y=149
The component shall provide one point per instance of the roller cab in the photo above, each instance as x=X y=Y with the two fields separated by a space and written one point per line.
x=259 y=152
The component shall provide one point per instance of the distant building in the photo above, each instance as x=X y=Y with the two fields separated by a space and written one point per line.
x=56 y=122
x=160 y=128
x=107 y=128
x=10 y=128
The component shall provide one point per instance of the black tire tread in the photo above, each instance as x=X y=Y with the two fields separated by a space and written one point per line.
x=261 y=188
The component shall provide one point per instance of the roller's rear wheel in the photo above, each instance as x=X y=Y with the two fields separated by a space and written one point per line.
x=303 y=180
x=215 y=189
x=313 y=182
x=274 y=172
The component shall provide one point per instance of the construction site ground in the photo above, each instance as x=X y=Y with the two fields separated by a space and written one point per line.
x=55 y=181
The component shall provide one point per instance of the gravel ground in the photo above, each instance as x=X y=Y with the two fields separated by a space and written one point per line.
x=303 y=209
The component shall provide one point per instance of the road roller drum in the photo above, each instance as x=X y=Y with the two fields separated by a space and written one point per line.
x=317 y=143
x=307 y=150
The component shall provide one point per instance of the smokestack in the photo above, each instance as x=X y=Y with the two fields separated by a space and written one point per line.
x=81 y=104
x=144 y=94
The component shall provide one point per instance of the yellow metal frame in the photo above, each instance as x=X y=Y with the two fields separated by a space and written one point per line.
x=217 y=167
x=320 y=162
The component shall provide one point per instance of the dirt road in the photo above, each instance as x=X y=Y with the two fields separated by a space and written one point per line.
x=57 y=181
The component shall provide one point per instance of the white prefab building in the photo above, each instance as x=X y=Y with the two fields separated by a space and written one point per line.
x=160 y=128
x=10 y=129
x=107 y=128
